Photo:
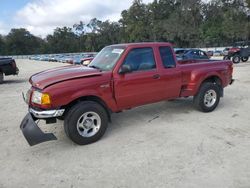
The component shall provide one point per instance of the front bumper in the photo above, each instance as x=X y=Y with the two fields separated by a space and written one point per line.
x=33 y=134
x=46 y=113
x=232 y=81
x=42 y=114
x=17 y=71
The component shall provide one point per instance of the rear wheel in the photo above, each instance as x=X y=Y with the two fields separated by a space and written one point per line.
x=236 y=59
x=1 y=77
x=208 y=97
x=244 y=59
x=86 y=122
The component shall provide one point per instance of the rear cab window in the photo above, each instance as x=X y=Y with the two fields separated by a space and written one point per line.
x=167 y=57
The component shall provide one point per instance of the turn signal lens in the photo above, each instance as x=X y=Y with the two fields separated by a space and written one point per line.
x=45 y=100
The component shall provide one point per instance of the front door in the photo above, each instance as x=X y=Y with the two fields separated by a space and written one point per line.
x=143 y=84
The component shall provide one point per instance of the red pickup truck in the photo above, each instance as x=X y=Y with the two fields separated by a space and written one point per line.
x=120 y=77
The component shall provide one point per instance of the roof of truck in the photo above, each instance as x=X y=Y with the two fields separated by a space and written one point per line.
x=142 y=44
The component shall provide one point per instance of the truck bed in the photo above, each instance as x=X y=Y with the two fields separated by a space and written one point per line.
x=196 y=71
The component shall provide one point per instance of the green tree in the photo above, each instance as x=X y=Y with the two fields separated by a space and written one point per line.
x=61 y=41
x=225 y=22
x=159 y=13
x=102 y=34
x=80 y=30
x=136 y=23
x=248 y=3
x=109 y=33
x=93 y=25
x=22 y=42
x=2 y=45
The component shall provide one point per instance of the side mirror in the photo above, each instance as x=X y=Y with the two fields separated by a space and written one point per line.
x=125 y=69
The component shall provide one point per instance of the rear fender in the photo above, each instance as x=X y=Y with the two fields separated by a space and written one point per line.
x=199 y=79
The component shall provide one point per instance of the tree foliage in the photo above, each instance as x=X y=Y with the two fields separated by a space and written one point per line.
x=20 y=41
x=61 y=41
x=2 y=45
x=189 y=23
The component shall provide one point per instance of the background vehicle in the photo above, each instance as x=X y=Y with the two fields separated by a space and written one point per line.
x=83 y=59
x=7 y=67
x=210 y=53
x=194 y=54
x=240 y=52
x=120 y=77
x=179 y=52
x=185 y=54
x=76 y=58
x=225 y=51
x=218 y=53
x=86 y=61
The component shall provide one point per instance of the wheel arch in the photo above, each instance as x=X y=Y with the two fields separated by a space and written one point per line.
x=89 y=98
x=213 y=79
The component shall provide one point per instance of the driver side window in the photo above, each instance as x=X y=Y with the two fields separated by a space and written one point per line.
x=140 y=59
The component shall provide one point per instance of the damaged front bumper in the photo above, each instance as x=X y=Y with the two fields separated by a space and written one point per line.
x=47 y=113
x=32 y=133
x=232 y=81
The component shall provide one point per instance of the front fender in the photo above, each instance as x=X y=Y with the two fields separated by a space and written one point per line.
x=63 y=95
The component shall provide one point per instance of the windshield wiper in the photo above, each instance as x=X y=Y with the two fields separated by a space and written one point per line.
x=95 y=67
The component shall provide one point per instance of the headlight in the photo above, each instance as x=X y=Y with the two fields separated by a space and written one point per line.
x=40 y=98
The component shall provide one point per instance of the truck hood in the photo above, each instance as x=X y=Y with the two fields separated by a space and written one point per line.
x=49 y=77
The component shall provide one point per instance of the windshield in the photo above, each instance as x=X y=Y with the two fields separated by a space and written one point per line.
x=107 y=58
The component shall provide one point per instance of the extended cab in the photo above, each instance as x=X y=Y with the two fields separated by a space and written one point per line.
x=7 y=67
x=120 y=77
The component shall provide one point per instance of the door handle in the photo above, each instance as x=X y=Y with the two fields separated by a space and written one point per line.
x=156 y=76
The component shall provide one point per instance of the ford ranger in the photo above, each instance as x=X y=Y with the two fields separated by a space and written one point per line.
x=120 y=77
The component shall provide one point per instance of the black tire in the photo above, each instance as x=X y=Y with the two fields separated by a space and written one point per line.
x=244 y=59
x=236 y=59
x=1 y=77
x=75 y=114
x=199 y=99
x=226 y=57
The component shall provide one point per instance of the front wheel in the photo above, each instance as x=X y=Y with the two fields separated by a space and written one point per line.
x=1 y=77
x=226 y=57
x=208 y=97
x=86 y=122
x=236 y=59
x=244 y=59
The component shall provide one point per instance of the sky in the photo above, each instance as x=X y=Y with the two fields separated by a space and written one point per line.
x=41 y=17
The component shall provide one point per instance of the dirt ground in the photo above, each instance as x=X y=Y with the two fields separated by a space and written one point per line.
x=168 y=144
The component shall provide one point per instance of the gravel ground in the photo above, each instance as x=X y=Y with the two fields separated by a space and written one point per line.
x=167 y=144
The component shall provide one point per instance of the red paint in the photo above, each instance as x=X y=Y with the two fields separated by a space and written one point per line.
x=119 y=92
x=234 y=50
x=87 y=59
